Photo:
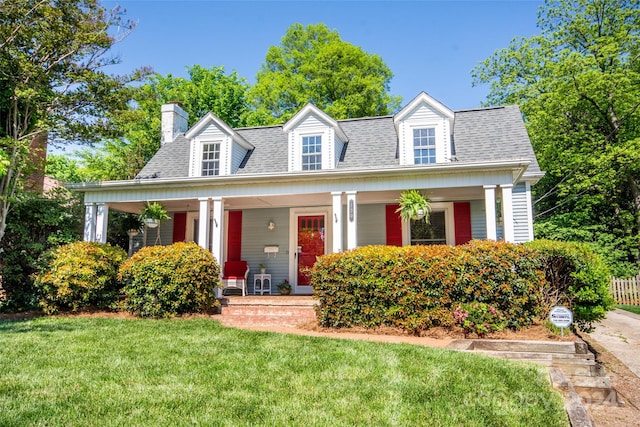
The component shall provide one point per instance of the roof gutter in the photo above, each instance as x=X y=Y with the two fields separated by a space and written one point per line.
x=518 y=167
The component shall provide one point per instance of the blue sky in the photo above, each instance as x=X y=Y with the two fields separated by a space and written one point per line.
x=430 y=46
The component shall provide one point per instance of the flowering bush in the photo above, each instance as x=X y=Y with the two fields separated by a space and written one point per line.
x=478 y=318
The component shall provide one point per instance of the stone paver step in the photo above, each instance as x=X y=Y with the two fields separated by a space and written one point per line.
x=526 y=346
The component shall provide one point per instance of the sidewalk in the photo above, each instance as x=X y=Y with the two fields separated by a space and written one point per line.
x=619 y=333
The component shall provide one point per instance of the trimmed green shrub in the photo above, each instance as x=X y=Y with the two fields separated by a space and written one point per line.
x=418 y=287
x=502 y=274
x=165 y=281
x=79 y=275
x=577 y=278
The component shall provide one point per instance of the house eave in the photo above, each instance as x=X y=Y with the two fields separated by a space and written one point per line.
x=516 y=167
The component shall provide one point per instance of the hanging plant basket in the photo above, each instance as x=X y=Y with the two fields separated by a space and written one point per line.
x=154 y=212
x=413 y=206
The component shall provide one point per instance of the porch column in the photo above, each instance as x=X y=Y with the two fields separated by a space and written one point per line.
x=217 y=230
x=102 y=218
x=337 y=221
x=203 y=223
x=90 y=222
x=490 y=211
x=352 y=220
x=507 y=213
x=527 y=186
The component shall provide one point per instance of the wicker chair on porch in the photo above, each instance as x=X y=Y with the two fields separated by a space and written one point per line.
x=235 y=275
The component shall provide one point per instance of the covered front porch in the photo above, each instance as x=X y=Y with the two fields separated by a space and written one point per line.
x=285 y=222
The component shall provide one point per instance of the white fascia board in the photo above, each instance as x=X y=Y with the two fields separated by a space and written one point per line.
x=312 y=109
x=423 y=97
x=516 y=167
x=212 y=118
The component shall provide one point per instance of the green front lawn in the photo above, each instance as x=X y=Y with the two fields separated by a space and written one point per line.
x=632 y=308
x=127 y=372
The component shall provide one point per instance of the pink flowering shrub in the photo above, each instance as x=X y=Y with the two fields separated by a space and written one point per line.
x=478 y=318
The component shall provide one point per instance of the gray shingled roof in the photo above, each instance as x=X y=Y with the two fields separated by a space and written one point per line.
x=487 y=134
x=493 y=134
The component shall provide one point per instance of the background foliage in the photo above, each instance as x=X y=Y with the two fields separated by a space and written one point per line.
x=578 y=85
x=35 y=224
x=314 y=65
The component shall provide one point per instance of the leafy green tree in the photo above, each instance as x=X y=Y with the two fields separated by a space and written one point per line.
x=36 y=223
x=206 y=90
x=64 y=168
x=578 y=85
x=312 y=64
x=52 y=54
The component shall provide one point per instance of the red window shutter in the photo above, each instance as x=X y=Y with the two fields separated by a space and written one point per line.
x=179 y=226
x=394 y=226
x=462 y=220
x=234 y=236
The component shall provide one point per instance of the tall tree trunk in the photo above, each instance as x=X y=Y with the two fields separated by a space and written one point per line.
x=635 y=194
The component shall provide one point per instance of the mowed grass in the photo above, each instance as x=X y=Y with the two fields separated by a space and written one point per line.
x=631 y=308
x=128 y=372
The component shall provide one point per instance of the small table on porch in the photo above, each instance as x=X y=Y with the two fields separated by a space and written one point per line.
x=262 y=284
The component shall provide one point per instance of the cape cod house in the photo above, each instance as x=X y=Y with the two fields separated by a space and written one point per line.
x=282 y=195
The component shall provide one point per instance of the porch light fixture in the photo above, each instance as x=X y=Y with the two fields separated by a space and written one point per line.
x=271 y=226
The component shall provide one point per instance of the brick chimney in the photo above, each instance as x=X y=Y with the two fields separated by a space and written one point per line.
x=37 y=160
x=174 y=121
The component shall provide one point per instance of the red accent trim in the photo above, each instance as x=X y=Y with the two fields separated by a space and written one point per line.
x=462 y=220
x=179 y=226
x=394 y=226
x=234 y=236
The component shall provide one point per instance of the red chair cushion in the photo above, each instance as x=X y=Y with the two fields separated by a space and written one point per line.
x=234 y=269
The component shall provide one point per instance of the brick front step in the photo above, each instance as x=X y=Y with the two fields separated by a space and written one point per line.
x=278 y=311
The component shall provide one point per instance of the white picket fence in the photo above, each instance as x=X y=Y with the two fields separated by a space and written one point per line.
x=626 y=291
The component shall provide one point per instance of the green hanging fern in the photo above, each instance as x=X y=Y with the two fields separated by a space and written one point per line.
x=154 y=211
x=413 y=205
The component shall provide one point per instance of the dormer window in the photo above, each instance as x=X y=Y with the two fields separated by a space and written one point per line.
x=312 y=153
x=424 y=146
x=315 y=140
x=424 y=129
x=211 y=159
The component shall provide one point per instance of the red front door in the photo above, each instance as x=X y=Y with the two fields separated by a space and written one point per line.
x=310 y=245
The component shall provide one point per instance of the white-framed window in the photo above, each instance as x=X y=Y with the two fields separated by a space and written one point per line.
x=424 y=146
x=433 y=232
x=312 y=152
x=440 y=230
x=211 y=159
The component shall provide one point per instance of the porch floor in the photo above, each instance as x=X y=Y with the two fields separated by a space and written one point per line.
x=267 y=311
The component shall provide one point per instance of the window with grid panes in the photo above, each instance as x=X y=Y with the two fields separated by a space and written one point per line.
x=211 y=159
x=311 y=153
x=424 y=146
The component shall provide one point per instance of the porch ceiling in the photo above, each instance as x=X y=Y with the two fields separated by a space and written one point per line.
x=304 y=200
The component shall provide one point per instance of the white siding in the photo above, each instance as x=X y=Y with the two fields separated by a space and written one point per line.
x=312 y=125
x=521 y=224
x=237 y=156
x=339 y=146
x=211 y=134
